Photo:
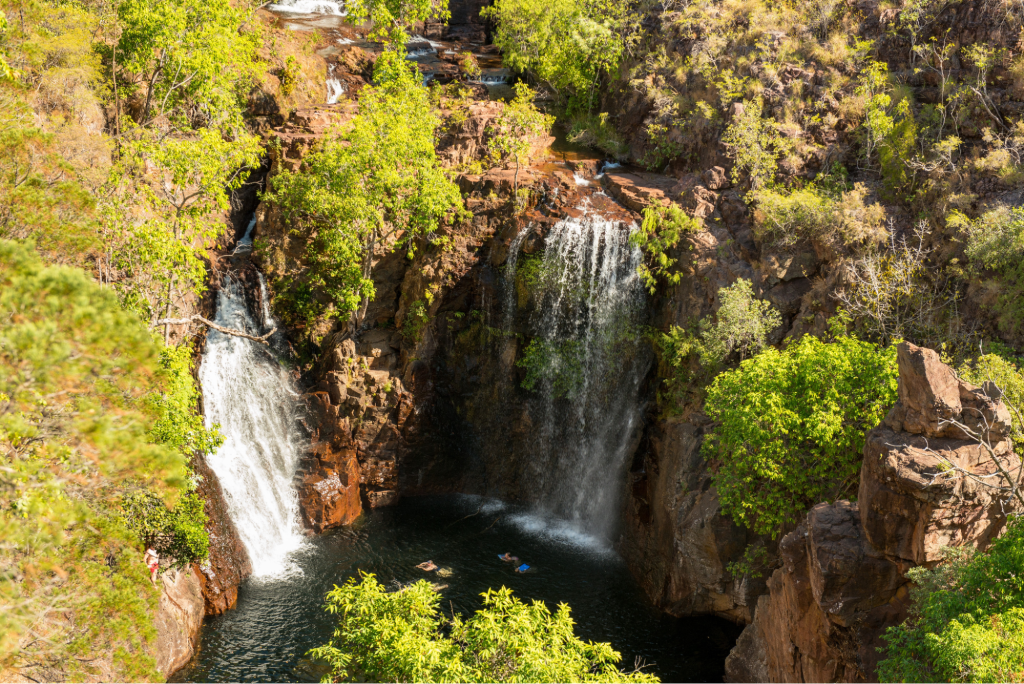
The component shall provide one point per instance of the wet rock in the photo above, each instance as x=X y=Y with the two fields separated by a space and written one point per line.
x=178 y=618
x=228 y=563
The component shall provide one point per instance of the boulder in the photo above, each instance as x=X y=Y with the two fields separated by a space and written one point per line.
x=178 y=618
x=916 y=490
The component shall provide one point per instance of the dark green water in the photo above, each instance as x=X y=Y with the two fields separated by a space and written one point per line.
x=278 y=620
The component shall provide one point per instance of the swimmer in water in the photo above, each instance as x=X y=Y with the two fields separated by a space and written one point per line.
x=509 y=559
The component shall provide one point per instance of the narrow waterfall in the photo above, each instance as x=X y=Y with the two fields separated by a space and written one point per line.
x=253 y=399
x=585 y=364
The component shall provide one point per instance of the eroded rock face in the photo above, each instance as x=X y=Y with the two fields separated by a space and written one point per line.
x=677 y=541
x=178 y=618
x=228 y=564
x=912 y=502
x=843 y=577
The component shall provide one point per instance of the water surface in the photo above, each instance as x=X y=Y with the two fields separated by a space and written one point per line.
x=278 y=620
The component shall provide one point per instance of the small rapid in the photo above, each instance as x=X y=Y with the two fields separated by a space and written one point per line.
x=252 y=399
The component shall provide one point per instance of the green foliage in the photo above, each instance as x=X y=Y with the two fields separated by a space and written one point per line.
x=662 y=229
x=1007 y=372
x=840 y=219
x=163 y=256
x=742 y=324
x=75 y=372
x=6 y=72
x=790 y=426
x=595 y=130
x=402 y=636
x=755 y=145
x=376 y=185
x=966 y=620
x=468 y=65
x=511 y=134
x=557 y=363
x=899 y=146
x=415 y=321
x=188 y=60
x=995 y=247
x=393 y=19
x=178 y=532
x=290 y=75
x=565 y=44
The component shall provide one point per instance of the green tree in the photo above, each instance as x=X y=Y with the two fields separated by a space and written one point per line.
x=790 y=425
x=755 y=144
x=76 y=372
x=512 y=132
x=191 y=61
x=662 y=229
x=742 y=324
x=402 y=636
x=966 y=620
x=373 y=187
x=392 y=19
x=565 y=44
x=995 y=250
x=157 y=233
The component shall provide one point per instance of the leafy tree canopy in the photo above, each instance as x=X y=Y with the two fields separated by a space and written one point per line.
x=188 y=60
x=790 y=426
x=966 y=619
x=565 y=44
x=374 y=186
x=402 y=636
x=392 y=19
x=76 y=375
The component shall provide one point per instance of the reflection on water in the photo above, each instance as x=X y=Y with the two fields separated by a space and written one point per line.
x=277 y=621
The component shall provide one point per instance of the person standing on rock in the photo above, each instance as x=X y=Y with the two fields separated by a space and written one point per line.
x=153 y=563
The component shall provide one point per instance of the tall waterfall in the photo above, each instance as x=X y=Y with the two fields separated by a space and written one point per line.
x=585 y=364
x=253 y=399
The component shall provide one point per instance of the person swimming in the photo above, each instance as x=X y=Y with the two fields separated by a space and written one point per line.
x=427 y=566
x=508 y=558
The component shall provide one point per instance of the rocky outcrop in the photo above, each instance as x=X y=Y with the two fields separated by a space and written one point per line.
x=922 y=486
x=677 y=542
x=178 y=618
x=228 y=563
x=842 y=582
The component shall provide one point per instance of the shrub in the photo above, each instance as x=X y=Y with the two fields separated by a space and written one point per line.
x=595 y=130
x=401 y=636
x=995 y=246
x=966 y=620
x=1008 y=374
x=742 y=324
x=790 y=426
x=755 y=144
x=662 y=229
x=842 y=220
x=289 y=75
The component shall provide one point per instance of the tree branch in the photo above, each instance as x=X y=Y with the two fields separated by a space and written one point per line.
x=218 y=328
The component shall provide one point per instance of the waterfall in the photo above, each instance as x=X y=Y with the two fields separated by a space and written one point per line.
x=335 y=88
x=585 y=363
x=253 y=399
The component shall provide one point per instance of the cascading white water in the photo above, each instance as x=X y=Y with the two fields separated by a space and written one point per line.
x=253 y=398
x=335 y=88
x=586 y=363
